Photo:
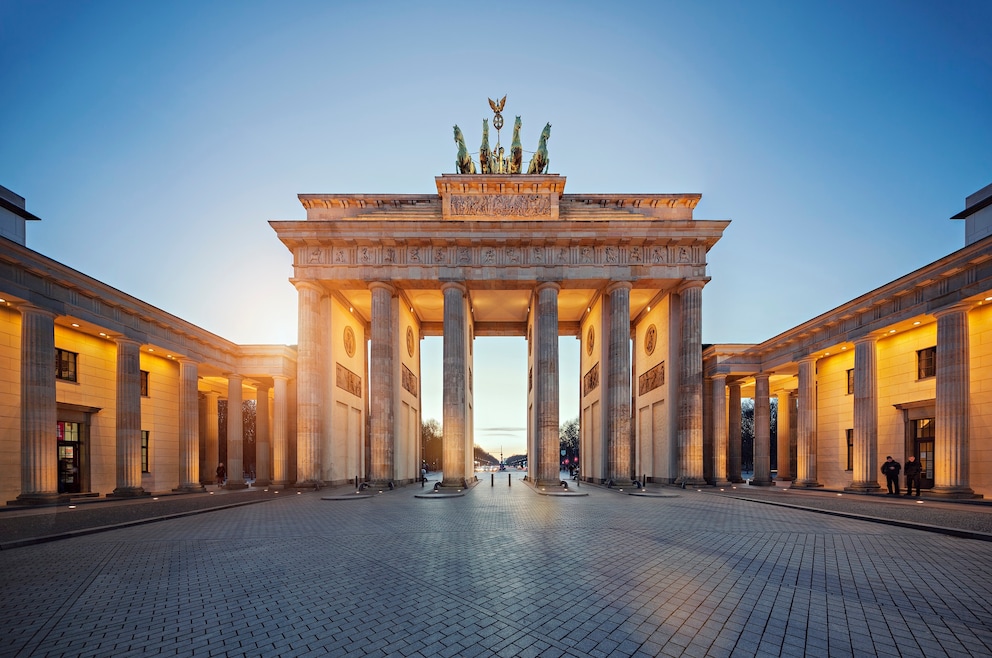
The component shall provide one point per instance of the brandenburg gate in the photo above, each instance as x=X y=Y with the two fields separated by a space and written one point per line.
x=499 y=253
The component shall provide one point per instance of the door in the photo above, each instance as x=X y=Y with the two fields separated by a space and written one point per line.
x=923 y=449
x=69 y=453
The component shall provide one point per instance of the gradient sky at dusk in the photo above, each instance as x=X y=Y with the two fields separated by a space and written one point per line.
x=155 y=140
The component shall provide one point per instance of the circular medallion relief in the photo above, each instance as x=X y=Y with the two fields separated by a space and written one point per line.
x=590 y=340
x=349 y=341
x=650 y=340
x=410 y=342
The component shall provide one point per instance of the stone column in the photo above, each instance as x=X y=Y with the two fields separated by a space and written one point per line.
x=454 y=409
x=381 y=383
x=719 y=415
x=235 y=434
x=762 y=432
x=951 y=440
x=211 y=440
x=734 y=434
x=128 y=418
x=546 y=386
x=308 y=384
x=263 y=469
x=280 y=442
x=691 y=384
x=39 y=457
x=189 y=428
x=806 y=425
x=618 y=385
x=865 y=475
x=784 y=438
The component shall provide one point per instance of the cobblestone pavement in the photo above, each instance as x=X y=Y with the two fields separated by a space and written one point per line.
x=501 y=571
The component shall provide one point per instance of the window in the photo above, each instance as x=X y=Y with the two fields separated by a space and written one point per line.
x=926 y=362
x=144 y=451
x=850 y=449
x=65 y=365
x=144 y=383
x=850 y=381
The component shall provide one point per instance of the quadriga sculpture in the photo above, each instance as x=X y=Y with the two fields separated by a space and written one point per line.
x=516 y=150
x=539 y=162
x=485 y=154
x=463 y=161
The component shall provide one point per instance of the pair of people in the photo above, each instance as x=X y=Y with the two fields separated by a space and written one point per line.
x=914 y=472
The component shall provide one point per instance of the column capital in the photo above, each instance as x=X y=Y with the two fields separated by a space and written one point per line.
x=382 y=285
x=688 y=284
x=283 y=378
x=28 y=307
x=454 y=285
x=866 y=338
x=262 y=386
x=718 y=376
x=617 y=285
x=546 y=285
x=307 y=284
x=960 y=307
x=126 y=340
x=809 y=359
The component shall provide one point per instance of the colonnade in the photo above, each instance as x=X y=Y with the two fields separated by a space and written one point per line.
x=39 y=416
x=951 y=440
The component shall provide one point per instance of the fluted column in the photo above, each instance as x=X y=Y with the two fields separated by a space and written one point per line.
x=128 y=418
x=235 y=433
x=280 y=430
x=262 y=445
x=718 y=399
x=308 y=384
x=865 y=475
x=546 y=385
x=39 y=457
x=734 y=434
x=806 y=425
x=618 y=384
x=454 y=405
x=189 y=428
x=762 y=432
x=691 y=383
x=381 y=369
x=211 y=424
x=951 y=438
x=784 y=438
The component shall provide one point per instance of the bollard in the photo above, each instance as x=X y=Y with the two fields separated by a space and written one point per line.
x=509 y=480
x=492 y=479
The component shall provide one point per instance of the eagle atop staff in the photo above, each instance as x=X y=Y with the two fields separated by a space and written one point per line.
x=497 y=107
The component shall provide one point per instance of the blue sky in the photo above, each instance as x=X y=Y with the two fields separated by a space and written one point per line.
x=156 y=140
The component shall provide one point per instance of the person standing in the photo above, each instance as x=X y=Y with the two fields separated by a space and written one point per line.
x=913 y=471
x=890 y=469
x=221 y=474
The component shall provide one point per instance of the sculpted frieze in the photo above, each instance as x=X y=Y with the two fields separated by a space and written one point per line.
x=501 y=205
x=614 y=254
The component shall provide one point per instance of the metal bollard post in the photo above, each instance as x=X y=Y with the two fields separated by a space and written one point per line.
x=509 y=480
x=492 y=479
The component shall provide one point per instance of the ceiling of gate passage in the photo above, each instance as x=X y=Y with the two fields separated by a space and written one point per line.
x=499 y=312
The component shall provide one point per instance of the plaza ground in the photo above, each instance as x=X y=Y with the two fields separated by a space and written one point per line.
x=500 y=571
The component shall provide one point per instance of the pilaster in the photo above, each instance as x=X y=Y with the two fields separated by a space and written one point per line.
x=308 y=405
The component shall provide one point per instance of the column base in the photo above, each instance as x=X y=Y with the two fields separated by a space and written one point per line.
x=950 y=492
x=262 y=483
x=806 y=484
x=722 y=483
x=690 y=481
x=128 y=492
x=193 y=487
x=764 y=482
x=736 y=479
x=235 y=486
x=454 y=483
x=279 y=485
x=39 y=499
x=863 y=487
